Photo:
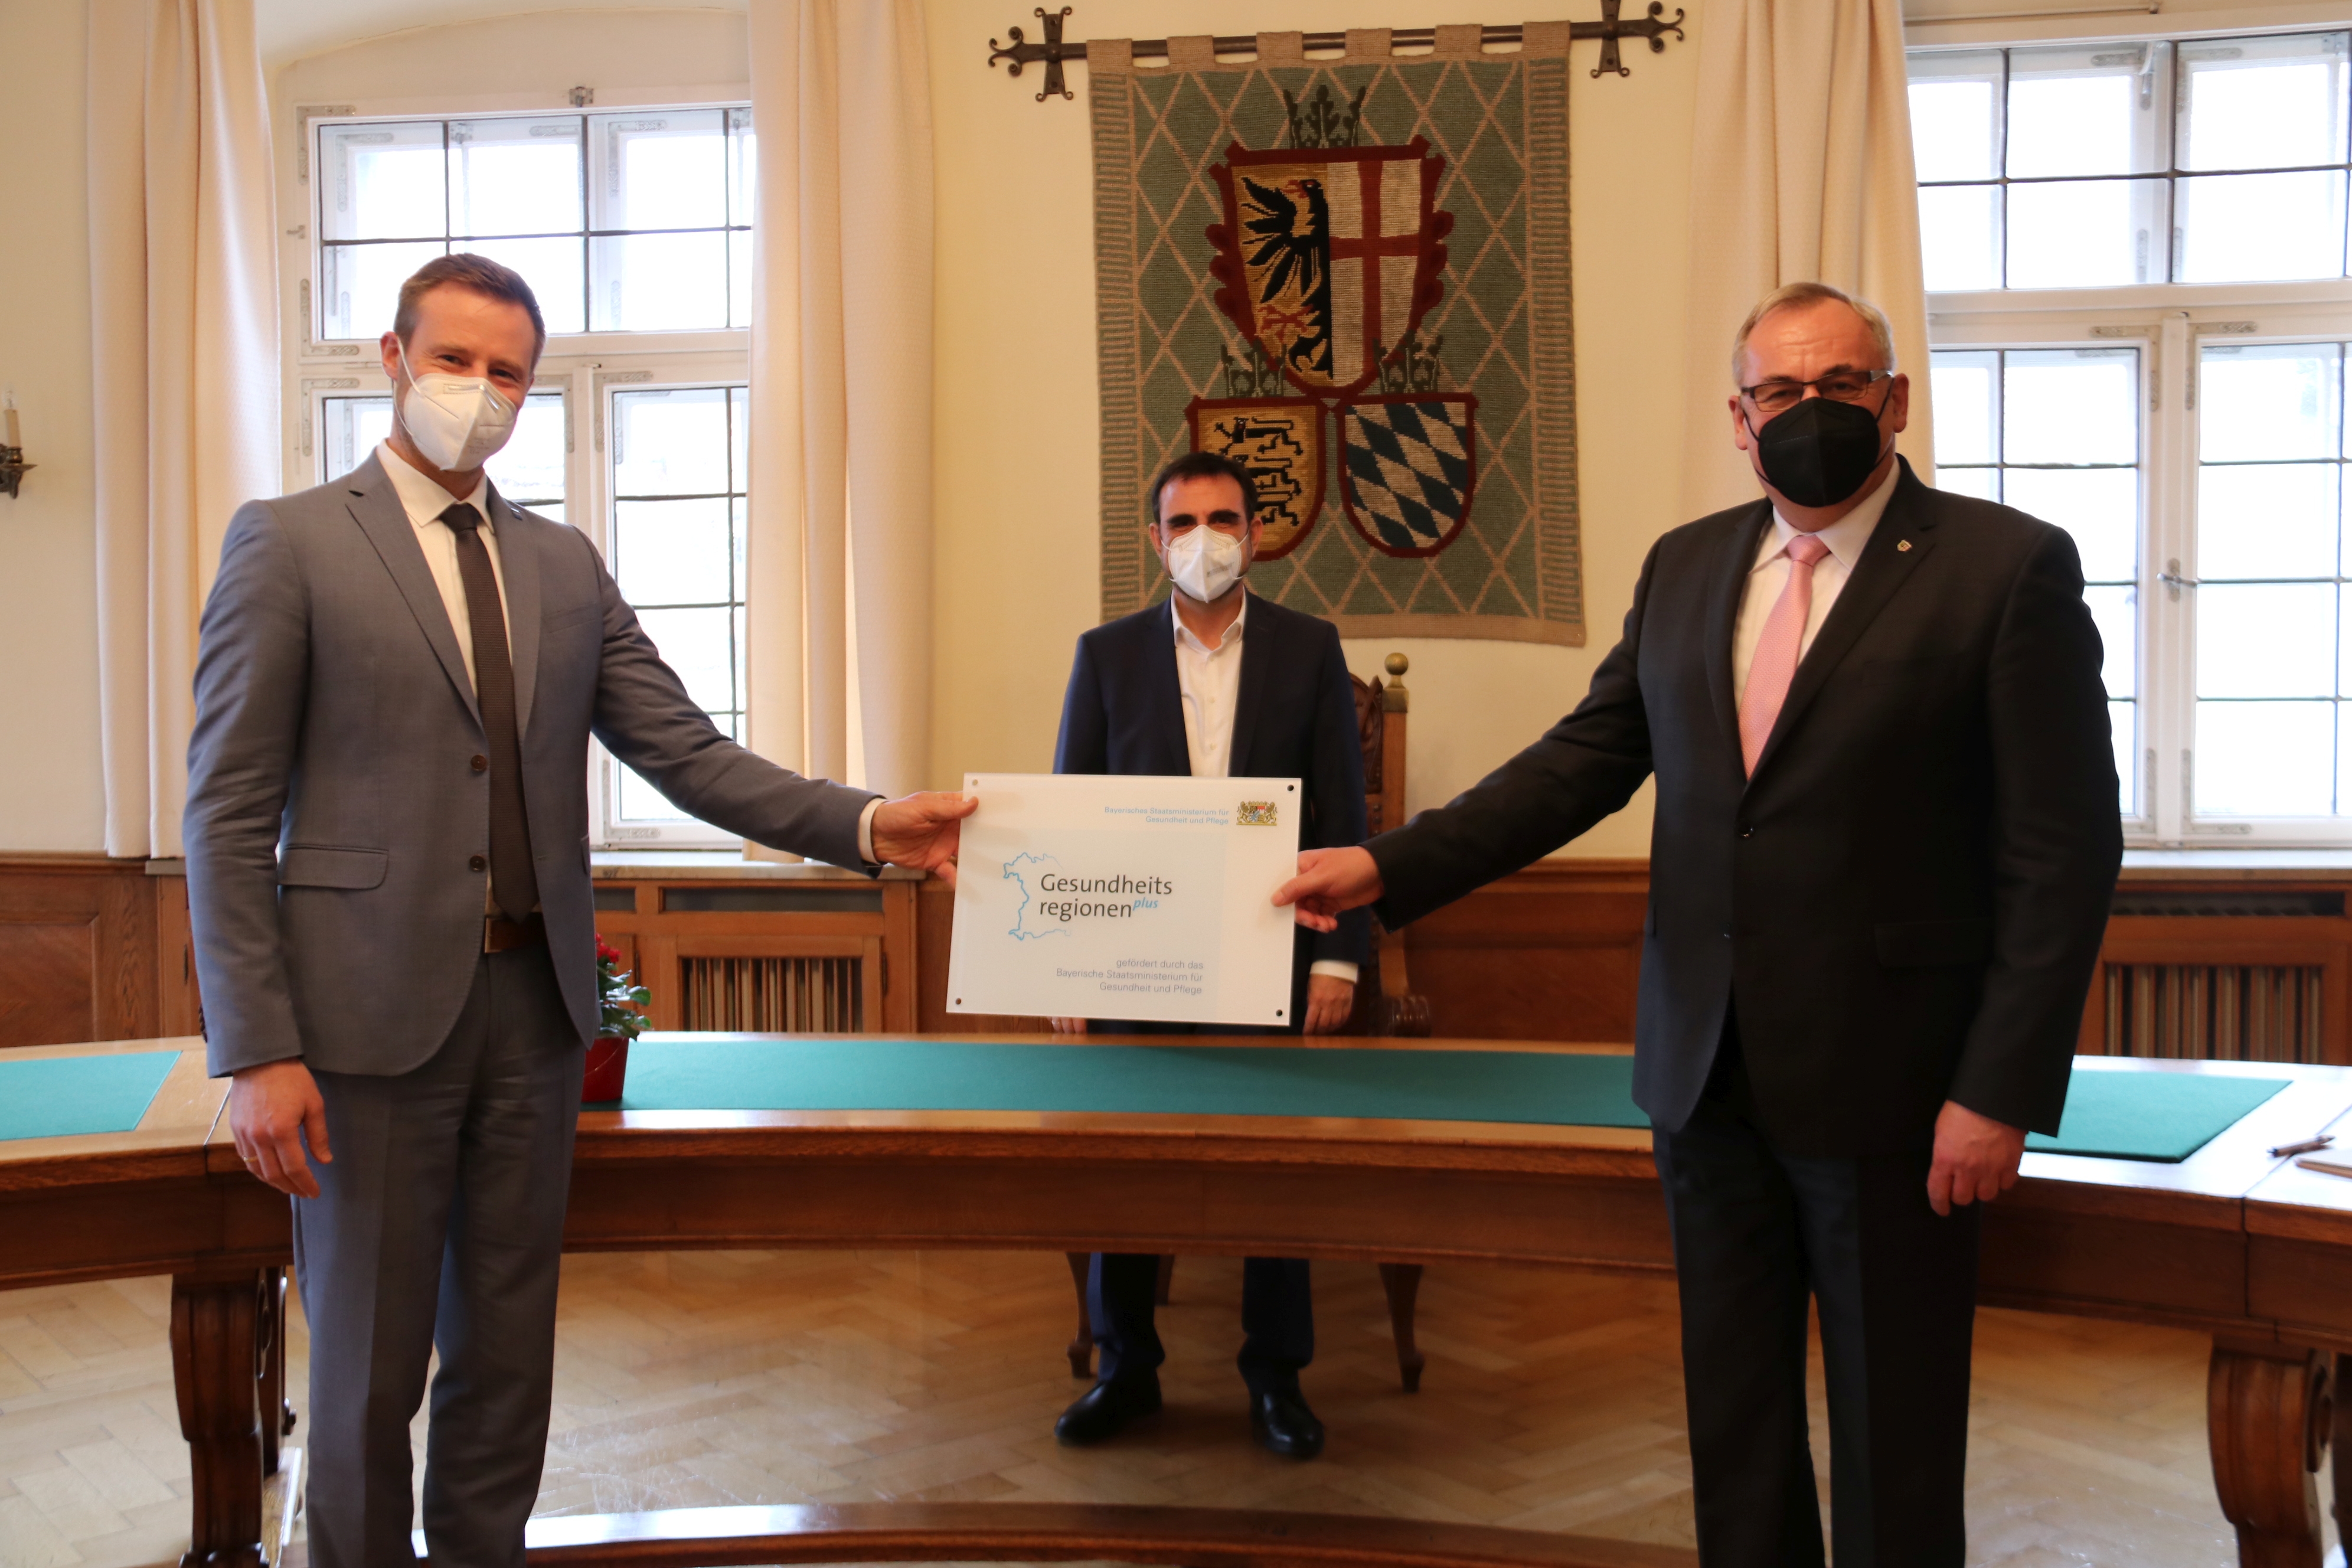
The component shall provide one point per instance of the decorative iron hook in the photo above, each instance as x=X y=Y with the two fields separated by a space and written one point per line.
x=1021 y=53
x=1653 y=28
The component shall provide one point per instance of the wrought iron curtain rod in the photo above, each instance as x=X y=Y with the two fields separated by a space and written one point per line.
x=1399 y=38
x=1054 y=49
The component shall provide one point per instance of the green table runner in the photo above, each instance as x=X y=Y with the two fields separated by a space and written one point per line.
x=2163 y=1116
x=2160 y=1116
x=2133 y=1116
x=1181 y=1080
x=60 y=1097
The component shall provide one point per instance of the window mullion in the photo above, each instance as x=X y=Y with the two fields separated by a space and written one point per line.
x=2169 y=617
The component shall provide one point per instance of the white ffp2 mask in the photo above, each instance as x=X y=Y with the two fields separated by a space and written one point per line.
x=1204 y=562
x=457 y=421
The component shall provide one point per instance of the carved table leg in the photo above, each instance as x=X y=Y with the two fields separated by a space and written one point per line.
x=2267 y=1417
x=217 y=1358
x=1082 y=1348
x=1402 y=1282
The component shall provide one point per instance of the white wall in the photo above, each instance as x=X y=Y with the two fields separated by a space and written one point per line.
x=531 y=58
x=291 y=29
x=1016 y=404
x=49 y=784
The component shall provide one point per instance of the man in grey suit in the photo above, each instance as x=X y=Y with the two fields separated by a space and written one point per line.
x=387 y=842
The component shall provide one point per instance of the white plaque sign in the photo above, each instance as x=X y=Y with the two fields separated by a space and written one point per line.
x=1094 y=896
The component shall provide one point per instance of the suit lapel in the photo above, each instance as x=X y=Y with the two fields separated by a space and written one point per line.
x=1258 y=656
x=1902 y=539
x=376 y=506
x=1167 y=693
x=518 y=569
x=1726 y=591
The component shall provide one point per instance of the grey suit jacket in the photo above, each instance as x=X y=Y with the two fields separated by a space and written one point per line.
x=332 y=803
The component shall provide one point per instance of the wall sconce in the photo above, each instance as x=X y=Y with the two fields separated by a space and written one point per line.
x=13 y=466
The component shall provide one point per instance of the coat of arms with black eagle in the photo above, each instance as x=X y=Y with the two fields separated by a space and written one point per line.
x=1327 y=260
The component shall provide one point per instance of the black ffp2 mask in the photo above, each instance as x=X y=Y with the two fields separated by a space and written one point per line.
x=1821 y=451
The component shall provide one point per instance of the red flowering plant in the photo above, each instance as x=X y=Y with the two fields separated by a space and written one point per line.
x=622 y=1014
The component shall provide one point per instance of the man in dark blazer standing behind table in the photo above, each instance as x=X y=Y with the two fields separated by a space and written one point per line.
x=1885 y=837
x=1217 y=683
x=388 y=882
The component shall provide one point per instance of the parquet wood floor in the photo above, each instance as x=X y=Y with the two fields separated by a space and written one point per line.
x=1552 y=1400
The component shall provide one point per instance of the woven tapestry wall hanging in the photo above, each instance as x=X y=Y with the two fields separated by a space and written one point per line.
x=1351 y=275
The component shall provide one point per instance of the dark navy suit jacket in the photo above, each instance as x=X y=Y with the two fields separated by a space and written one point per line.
x=1295 y=718
x=1906 y=898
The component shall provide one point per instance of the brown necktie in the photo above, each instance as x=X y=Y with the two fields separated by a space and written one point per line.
x=514 y=886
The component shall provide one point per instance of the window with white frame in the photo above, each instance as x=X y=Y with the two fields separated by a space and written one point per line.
x=531 y=470
x=2055 y=432
x=676 y=528
x=633 y=227
x=639 y=221
x=2138 y=311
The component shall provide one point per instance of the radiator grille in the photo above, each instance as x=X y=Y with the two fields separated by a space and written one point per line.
x=774 y=995
x=2260 y=904
x=2215 y=1012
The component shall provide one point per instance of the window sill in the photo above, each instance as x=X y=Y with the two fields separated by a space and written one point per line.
x=2313 y=863
x=652 y=865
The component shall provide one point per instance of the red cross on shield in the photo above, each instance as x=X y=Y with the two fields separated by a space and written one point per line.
x=1329 y=257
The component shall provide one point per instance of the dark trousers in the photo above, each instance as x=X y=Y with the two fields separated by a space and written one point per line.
x=1278 y=1306
x=1755 y=1232
x=440 y=1224
x=1278 y=1319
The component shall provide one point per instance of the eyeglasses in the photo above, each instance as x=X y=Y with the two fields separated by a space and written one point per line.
x=1839 y=386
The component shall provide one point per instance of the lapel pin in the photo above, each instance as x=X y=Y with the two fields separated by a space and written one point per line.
x=1902 y=544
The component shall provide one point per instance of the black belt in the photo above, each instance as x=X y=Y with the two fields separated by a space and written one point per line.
x=500 y=934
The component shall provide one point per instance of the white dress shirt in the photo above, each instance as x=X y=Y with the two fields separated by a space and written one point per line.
x=1208 y=689
x=424 y=500
x=1845 y=538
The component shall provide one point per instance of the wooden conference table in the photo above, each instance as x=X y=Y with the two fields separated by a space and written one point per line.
x=2229 y=1241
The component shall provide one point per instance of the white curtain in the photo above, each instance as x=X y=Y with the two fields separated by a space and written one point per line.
x=840 y=538
x=184 y=343
x=1800 y=169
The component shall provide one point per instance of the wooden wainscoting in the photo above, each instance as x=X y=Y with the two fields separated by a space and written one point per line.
x=2250 y=969
x=823 y=951
x=1552 y=953
x=935 y=924
x=2232 y=962
x=2227 y=959
x=78 y=951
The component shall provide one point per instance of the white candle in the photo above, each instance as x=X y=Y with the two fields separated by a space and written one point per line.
x=15 y=440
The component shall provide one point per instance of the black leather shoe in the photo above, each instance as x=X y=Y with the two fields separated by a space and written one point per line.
x=1283 y=1424
x=1106 y=1409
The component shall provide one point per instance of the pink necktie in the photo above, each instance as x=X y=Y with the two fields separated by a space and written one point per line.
x=1775 y=664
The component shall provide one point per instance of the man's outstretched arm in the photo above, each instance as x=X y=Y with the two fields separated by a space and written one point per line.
x=1583 y=769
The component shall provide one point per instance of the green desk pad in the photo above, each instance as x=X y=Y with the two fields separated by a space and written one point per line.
x=2160 y=1116
x=2133 y=1116
x=62 y=1097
